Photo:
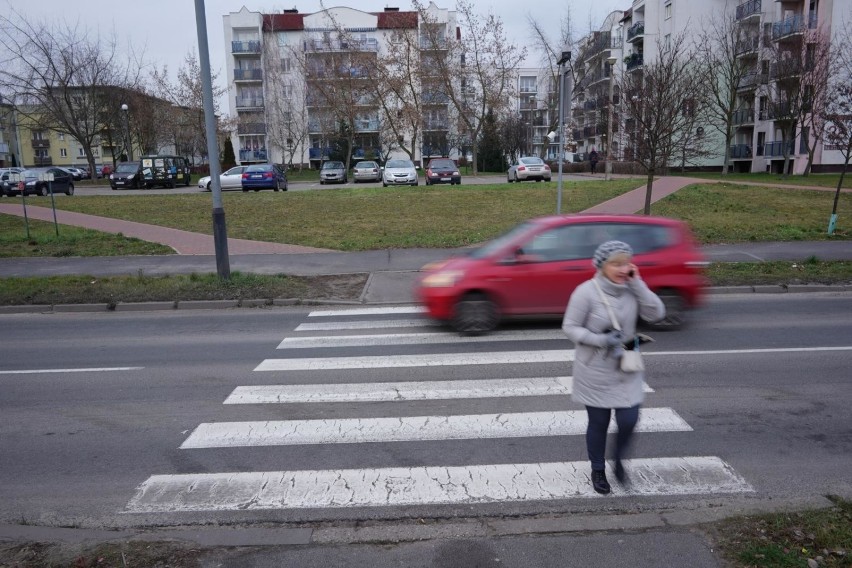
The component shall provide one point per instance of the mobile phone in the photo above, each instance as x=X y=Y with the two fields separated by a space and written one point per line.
x=631 y=274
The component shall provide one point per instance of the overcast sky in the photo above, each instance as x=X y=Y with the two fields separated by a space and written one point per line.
x=166 y=29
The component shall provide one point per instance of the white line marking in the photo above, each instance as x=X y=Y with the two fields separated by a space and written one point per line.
x=428 y=360
x=748 y=351
x=369 y=324
x=403 y=390
x=370 y=311
x=414 y=428
x=430 y=485
x=91 y=370
x=415 y=339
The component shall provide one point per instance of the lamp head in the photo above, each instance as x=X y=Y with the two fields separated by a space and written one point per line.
x=124 y=107
x=551 y=136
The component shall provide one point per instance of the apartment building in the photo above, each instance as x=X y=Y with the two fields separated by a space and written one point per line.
x=295 y=76
x=537 y=107
x=628 y=39
x=9 y=152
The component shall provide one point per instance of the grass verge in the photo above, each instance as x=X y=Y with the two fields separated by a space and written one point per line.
x=72 y=241
x=816 y=180
x=141 y=288
x=820 y=538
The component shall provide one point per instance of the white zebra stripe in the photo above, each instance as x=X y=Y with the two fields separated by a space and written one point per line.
x=431 y=485
x=428 y=360
x=415 y=339
x=368 y=324
x=369 y=311
x=402 y=391
x=414 y=428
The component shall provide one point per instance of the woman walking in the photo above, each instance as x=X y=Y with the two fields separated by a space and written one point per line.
x=599 y=382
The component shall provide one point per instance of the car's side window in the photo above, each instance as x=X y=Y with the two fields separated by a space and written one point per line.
x=561 y=243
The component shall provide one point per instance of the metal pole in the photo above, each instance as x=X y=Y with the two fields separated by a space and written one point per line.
x=220 y=233
x=559 y=137
x=609 y=125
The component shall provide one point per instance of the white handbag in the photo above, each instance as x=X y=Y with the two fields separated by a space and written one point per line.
x=631 y=360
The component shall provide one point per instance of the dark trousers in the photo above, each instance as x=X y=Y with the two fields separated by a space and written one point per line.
x=594 y=167
x=625 y=419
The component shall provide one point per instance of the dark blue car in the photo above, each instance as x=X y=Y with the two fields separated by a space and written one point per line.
x=264 y=176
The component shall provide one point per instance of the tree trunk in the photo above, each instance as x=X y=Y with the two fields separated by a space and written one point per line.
x=649 y=189
x=727 y=164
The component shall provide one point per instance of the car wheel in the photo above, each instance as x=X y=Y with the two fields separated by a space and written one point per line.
x=70 y=190
x=474 y=314
x=43 y=191
x=384 y=184
x=516 y=177
x=256 y=189
x=148 y=186
x=208 y=186
x=245 y=190
x=171 y=184
x=285 y=186
x=276 y=188
x=322 y=182
x=675 y=312
x=114 y=188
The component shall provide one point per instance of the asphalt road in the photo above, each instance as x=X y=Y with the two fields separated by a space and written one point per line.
x=94 y=405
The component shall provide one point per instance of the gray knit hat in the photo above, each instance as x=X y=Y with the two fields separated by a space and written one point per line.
x=609 y=249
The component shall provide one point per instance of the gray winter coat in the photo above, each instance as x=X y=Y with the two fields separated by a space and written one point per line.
x=598 y=381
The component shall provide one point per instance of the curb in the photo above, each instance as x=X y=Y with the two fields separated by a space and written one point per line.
x=280 y=302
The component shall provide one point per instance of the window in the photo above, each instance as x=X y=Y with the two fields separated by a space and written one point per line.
x=286 y=64
x=287 y=90
x=668 y=9
x=61 y=136
x=63 y=152
x=528 y=84
x=80 y=152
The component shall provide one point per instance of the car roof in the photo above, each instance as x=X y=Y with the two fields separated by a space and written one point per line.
x=599 y=218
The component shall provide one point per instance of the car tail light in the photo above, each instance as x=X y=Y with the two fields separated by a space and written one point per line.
x=245 y=176
x=521 y=168
x=546 y=167
x=267 y=174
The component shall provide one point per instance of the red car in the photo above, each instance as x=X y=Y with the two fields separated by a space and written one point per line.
x=533 y=269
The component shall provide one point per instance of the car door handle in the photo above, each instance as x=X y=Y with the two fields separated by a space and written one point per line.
x=574 y=268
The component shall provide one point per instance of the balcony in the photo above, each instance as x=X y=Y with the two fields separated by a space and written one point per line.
x=590 y=105
x=636 y=31
x=741 y=152
x=748 y=10
x=436 y=124
x=248 y=74
x=743 y=116
x=576 y=134
x=320 y=45
x=750 y=81
x=634 y=62
x=602 y=42
x=436 y=150
x=776 y=149
x=251 y=128
x=40 y=143
x=429 y=44
x=436 y=98
x=253 y=156
x=42 y=161
x=249 y=102
x=371 y=125
x=589 y=131
x=792 y=26
x=245 y=47
x=319 y=153
x=747 y=46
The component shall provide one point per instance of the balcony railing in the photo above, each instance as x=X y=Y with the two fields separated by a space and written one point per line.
x=588 y=131
x=744 y=116
x=590 y=105
x=367 y=125
x=635 y=30
x=436 y=98
x=248 y=74
x=319 y=45
x=775 y=149
x=741 y=151
x=249 y=102
x=748 y=45
x=793 y=25
x=634 y=61
x=576 y=134
x=251 y=128
x=319 y=153
x=245 y=46
x=750 y=81
x=436 y=150
x=748 y=9
x=428 y=43
x=253 y=155
x=602 y=42
x=43 y=161
x=41 y=143
x=435 y=124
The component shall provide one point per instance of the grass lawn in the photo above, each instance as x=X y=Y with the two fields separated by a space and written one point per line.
x=816 y=180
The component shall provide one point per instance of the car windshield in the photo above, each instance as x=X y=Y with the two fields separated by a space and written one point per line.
x=332 y=166
x=442 y=164
x=400 y=164
x=488 y=248
x=532 y=161
x=32 y=173
x=127 y=168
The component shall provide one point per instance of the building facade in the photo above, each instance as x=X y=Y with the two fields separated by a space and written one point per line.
x=297 y=79
x=537 y=108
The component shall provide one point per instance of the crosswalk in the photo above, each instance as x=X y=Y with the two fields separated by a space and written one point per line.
x=393 y=484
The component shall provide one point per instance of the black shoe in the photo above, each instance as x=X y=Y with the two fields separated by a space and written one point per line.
x=599 y=482
x=620 y=474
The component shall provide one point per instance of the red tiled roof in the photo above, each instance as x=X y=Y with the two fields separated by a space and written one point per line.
x=283 y=22
x=397 y=20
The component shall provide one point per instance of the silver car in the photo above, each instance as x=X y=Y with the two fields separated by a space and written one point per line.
x=333 y=172
x=400 y=172
x=367 y=171
x=230 y=179
x=529 y=167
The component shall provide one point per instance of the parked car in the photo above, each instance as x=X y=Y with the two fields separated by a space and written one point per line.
x=264 y=176
x=399 y=172
x=442 y=170
x=62 y=182
x=126 y=175
x=166 y=171
x=230 y=179
x=76 y=174
x=528 y=167
x=367 y=171
x=333 y=172
x=84 y=172
x=532 y=269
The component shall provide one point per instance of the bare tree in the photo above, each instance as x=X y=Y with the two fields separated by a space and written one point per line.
x=59 y=76
x=286 y=114
x=660 y=104
x=477 y=70
x=188 y=130
x=838 y=113
x=720 y=52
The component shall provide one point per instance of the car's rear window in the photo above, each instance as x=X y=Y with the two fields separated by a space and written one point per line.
x=366 y=165
x=531 y=161
x=259 y=169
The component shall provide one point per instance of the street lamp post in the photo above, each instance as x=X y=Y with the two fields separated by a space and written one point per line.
x=610 y=107
x=563 y=96
x=128 y=142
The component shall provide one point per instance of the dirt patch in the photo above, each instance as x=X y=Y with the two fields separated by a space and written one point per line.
x=110 y=555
